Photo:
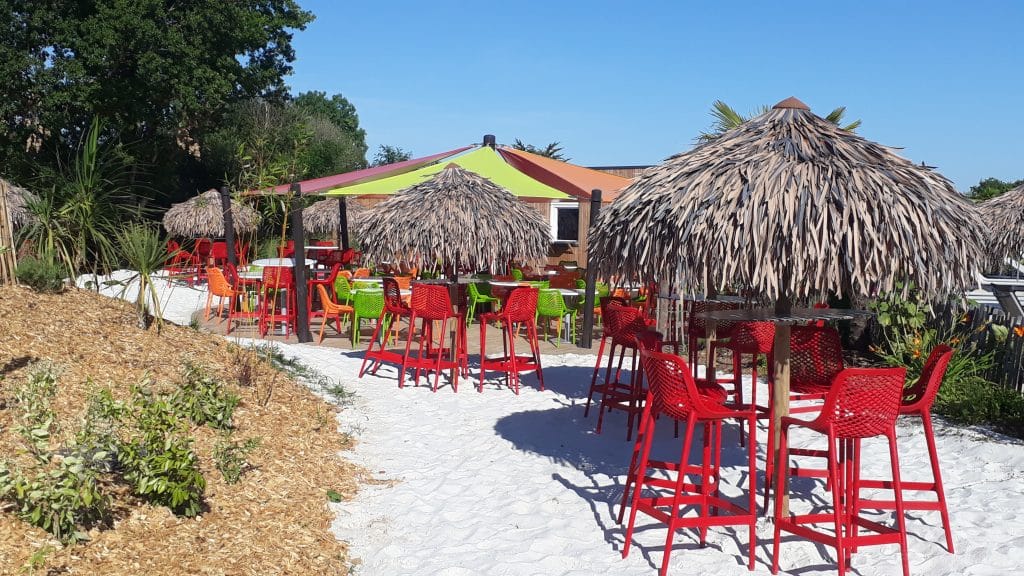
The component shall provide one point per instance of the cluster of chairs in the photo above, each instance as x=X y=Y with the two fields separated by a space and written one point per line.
x=190 y=265
x=847 y=405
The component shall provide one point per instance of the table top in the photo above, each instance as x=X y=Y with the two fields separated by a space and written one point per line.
x=723 y=298
x=508 y=283
x=795 y=316
x=279 y=262
x=255 y=275
x=323 y=248
x=569 y=292
x=373 y=279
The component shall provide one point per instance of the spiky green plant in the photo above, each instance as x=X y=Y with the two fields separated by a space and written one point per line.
x=141 y=247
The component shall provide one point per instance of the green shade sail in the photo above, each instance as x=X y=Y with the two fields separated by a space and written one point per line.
x=484 y=161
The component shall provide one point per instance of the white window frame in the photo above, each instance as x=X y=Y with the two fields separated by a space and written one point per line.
x=553 y=216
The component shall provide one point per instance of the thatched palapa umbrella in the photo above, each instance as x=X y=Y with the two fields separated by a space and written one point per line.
x=323 y=217
x=1004 y=227
x=790 y=206
x=203 y=215
x=456 y=217
x=17 y=203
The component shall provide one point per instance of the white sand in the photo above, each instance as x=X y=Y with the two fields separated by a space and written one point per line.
x=502 y=485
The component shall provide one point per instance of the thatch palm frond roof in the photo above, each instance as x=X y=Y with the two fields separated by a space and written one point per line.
x=1004 y=226
x=18 y=199
x=456 y=217
x=203 y=215
x=321 y=218
x=791 y=206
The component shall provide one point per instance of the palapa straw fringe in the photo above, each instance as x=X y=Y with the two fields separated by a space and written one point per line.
x=1004 y=227
x=789 y=205
x=456 y=217
x=321 y=218
x=17 y=203
x=202 y=215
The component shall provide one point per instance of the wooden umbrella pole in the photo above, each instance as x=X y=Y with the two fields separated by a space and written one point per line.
x=780 y=399
x=8 y=261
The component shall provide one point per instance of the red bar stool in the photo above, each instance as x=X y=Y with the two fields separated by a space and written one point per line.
x=431 y=303
x=200 y=258
x=815 y=359
x=608 y=329
x=394 y=310
x=219 y=253
x=917 y=402
x=697 y=329
x=674 y=394
x=616 y=394
x=277 y=282
x=863 y=403
x=755 y=339
x=653 y=341
x=247 y=290
x=519 y=311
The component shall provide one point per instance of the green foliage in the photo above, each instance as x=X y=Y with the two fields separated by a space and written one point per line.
x=63 y=498
x=990 y=188
x=142 y=248
x=334 y=496
x=158 y=460
x=80 y=207
x=231 y=457
x=389 y=155
x=161 y=72
x=203 y=399
x=40 y=274
x=552 y=150
x=726 y=118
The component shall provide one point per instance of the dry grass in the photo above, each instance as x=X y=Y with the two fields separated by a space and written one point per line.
x=274 y=521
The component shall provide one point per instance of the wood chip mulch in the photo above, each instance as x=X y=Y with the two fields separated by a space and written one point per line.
x=274 y=521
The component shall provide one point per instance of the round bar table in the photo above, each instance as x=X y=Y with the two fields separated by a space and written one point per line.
x=783 y=321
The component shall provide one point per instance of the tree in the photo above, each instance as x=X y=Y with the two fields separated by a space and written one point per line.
x=389 y=155
x=552 y=150
x=160 y=74
x=990 y=188
x=338 y=110
x=726 y=118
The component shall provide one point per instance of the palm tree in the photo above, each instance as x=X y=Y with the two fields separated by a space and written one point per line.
x=726 y=118
x=552 y=150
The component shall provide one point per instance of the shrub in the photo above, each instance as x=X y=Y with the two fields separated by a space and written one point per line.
x=158 y=460
x=231 y=457
x=203 y=399
x=976 y=401
x=40 y=274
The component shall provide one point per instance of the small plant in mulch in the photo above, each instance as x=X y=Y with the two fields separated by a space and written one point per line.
x=230 y=456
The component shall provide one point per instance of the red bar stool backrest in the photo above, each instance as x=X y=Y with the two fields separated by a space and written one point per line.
x=219 y=251
x=521 y=305
x=753 y=337
x=815 y=356
x=673 y=389
x=393 y=297
x=863 y=402
x=624 y=323
x=278 y=277
x=920 y=396
x=431 y=302
x=649 y=340
x=698 y=324
x=203 y=248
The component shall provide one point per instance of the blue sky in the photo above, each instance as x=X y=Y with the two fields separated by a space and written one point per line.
x=633 y=82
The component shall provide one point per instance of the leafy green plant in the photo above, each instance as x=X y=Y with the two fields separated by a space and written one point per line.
x=231 y=457
x=141 y=247
x=203 y=399
x=41 y=274
x=158 y=460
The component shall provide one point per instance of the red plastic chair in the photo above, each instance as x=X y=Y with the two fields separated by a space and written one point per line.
x=177 y=261
x=815 y=359
x=242 y=253
x=862 y=403
x=327 y=281
x=625 y=322
x=697 y=329
x=219 y=253
x=607 y=329
x=286 y=251
x=277 y=280
x=394 y=310
x=431 y=303
x=754 y=339
x=200 y=257
x=519 y=311
x=674 y=394
x=917 y=402
x=246 y=311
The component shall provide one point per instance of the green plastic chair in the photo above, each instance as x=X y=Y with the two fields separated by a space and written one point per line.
x=540 y=284
x=517 y=274
x=343 y=290
x=550 y=304
x=475 y=294
x=367 y=305
x=600 y=291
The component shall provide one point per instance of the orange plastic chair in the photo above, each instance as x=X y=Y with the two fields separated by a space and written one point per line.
x=331 y=310
x=220 y=287
x=346 y=273
x=362 y=273
x=404 y=282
